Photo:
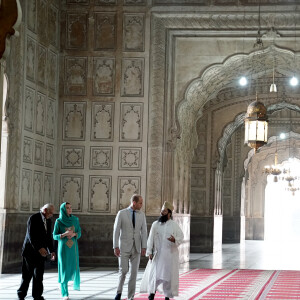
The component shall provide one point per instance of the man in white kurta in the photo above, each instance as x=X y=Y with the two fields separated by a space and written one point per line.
x=162 y=272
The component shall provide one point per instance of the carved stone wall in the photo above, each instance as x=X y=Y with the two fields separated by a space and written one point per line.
x=105 y=96
x=39 y=128
x=31 y=117
x=103 y=105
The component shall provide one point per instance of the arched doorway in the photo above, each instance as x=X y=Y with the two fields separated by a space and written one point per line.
x=217 y=170
x=282 y=206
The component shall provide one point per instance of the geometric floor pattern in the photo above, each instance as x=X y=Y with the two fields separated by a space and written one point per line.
x=193 y=285
x=233 y=273
x=228 y=284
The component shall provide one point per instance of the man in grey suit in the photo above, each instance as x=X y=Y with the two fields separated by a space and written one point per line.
x=130 y=242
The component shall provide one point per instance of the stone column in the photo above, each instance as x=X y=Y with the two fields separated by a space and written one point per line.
x=2 y=67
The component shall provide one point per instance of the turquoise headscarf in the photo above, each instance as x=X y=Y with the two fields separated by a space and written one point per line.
x=66 y=220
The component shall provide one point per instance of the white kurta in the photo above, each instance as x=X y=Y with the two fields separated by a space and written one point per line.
x=164 y=266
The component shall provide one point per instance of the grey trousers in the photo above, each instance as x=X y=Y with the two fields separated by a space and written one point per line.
x=127 y=259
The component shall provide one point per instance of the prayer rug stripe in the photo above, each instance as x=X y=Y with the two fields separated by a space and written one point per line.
x=285 y=285
x=241 y=284
x=235 y=284
x=191 y=282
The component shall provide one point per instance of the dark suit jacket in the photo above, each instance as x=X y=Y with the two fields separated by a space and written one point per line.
x=36 y=237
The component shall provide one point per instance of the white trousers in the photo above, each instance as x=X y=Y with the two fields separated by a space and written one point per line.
x=166 y=287
x=127 y=259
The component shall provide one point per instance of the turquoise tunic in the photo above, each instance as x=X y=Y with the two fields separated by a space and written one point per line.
x=67 y=252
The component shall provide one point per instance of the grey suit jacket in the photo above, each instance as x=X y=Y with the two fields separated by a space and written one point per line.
x=125 y=236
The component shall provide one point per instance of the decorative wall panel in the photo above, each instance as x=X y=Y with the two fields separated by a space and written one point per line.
x=200 y=153
x=227 y=209
x=42 y=21
x=50 y=118
x=29 y=106
x=28 y=150
x=100 y=194
x=255 y=2
x=40 y=114
x=227 y=188
x=130 y=159
x=101 y=158
x=198 y=198
x=179 y=2
x=104 y=76
x=105 y=31
x=132 y=83
x=74 y=121
x=131 y=122
x=52 y=70
x=198 y=177
x=41 y=65
x=133 y=32
x=127 y=186
x=39 y=153
x=134 y=2
x=228 y=169
x=78 y=1
x=75 y=75
x=48 y=188
x=102 y=121
x=30 y=59
x=105 y=2
x=37 y=197
x=72 y=157
x=71 y=190
x=49 y=156
x=52 y=25
x=26 y=189
x=77 y=29
x=31 y=15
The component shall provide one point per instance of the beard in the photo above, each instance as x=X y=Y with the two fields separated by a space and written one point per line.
x=163 y=218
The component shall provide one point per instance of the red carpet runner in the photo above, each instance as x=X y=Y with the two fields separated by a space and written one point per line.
x=236 y=284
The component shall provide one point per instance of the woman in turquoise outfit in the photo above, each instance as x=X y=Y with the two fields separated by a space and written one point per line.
x=67 y=231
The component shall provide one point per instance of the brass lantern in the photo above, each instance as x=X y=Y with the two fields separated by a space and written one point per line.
x=256 y=125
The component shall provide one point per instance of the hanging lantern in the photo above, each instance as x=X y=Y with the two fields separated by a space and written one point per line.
x=256 y=125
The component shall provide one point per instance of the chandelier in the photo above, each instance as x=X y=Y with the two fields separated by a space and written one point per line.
x=256 y=121
x=256 y=125
x=292 y=188
x=273 y=170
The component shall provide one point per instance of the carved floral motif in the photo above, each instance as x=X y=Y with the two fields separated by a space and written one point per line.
x=101 y=158
x=102 y=121
x=100 y=193
x=71 y=190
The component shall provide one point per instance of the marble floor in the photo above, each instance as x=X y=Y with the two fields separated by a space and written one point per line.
x=101 y=283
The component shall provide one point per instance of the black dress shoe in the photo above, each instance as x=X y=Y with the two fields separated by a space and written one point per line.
x=151 y=297
x=118 y=297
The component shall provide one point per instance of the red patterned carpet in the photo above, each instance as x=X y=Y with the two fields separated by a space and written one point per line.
x=236 y=284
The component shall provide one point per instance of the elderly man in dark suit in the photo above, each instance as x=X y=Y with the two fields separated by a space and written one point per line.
x=37 y=245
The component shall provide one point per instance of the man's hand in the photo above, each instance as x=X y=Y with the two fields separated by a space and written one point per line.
x=43 y=252
x=117 y=252
x=143 y=252
x=150 y=256
x=53 y=256
x=171 y=239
